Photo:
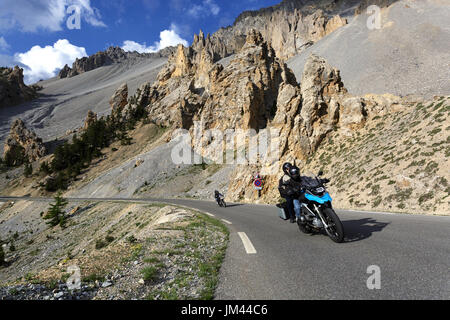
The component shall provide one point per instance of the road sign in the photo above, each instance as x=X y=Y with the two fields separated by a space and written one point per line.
x=257 y=183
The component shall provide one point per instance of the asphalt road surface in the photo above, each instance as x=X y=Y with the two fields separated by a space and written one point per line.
x=269 y=258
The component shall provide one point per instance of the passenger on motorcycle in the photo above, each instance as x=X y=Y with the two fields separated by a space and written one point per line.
x=290 y=188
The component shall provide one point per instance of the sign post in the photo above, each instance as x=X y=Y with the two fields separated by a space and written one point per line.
x=258 y=185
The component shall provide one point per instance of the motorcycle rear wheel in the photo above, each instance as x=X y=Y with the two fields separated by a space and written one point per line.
x=335 y=228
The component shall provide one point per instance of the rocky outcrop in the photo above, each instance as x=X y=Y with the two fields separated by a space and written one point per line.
x=110 y=56
x=193 y=88
x=12 y=88
x=21 y=137
x=120 y=98
x=289 y=27
x=65 y=72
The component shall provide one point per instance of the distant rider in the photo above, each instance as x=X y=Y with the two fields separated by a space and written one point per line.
x=217 y=195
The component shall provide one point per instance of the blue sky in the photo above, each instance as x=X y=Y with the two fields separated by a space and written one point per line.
x=142 y=25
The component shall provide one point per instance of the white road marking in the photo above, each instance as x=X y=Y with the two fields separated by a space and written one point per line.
x=209 y=214
x=226 y=221
x=247 y=243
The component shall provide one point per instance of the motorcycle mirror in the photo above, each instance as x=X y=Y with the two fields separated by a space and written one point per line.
x=320 y=173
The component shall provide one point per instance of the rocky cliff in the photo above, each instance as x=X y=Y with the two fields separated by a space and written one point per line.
x=290 y=27
x=12 y=88
x=110 y=56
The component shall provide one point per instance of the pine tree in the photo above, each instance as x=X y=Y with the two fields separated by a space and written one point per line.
x=28 y=170
x=45 y=168
x=55 y=214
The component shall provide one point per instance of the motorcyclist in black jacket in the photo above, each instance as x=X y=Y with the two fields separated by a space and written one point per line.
x=291 y=187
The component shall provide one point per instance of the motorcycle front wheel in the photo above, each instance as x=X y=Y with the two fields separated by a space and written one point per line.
x=335 y=228
x=304 y=227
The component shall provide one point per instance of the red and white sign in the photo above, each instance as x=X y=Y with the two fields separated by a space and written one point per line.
x=257 y=183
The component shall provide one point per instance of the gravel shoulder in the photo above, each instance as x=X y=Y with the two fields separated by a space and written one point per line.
x=122 y=251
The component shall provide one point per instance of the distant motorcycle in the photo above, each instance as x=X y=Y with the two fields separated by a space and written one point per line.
x=318 y=211
x=221 y=202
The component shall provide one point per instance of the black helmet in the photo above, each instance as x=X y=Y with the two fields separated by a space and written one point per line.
x=286 y=167
x=294 y=172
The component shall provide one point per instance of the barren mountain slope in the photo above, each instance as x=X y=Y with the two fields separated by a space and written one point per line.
x=398 y=162
x=410 y=54
x=64 y=103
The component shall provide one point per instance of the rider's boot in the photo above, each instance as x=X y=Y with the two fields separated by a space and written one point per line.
x=292 y=219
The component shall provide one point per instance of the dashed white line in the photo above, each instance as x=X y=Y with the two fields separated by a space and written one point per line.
x=249 y=248
x=226 y=221
x=209 y=214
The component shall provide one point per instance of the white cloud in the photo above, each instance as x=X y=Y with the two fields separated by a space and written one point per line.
x=167 y=38
x=43 y=63
x=51 y=15
x=3 y=44
x=208 y=7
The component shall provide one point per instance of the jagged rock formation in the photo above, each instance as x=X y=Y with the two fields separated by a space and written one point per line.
x=290 y=27
x=305 y=116
x=110 y=56
x=119 y=98
x=256 y=90
x=12 y=88
x=21 y=137
x=242 y=94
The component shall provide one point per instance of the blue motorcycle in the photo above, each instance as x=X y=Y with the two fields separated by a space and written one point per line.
x=317 y=211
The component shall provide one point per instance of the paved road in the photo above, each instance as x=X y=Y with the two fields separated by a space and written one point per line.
x=412 y=252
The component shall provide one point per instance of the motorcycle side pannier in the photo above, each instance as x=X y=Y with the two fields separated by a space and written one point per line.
x=282 y=211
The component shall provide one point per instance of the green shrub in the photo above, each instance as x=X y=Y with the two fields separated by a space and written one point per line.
x=99 y=244
x=423 y=198
x=149 y=273
x=131 y=239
